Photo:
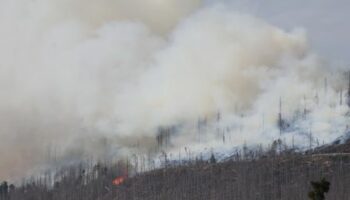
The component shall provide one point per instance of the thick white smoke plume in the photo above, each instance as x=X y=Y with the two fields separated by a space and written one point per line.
x=97 y=78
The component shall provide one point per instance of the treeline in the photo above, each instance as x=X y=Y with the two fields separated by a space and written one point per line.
x=5 y=189
x=279 y=173
x=83 y=181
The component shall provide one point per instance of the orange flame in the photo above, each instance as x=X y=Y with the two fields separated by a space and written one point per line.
x=118 y=180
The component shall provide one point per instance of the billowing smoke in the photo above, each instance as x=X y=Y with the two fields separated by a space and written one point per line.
x=100 y=78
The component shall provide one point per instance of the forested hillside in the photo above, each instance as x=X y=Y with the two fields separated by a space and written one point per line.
x=252 y=175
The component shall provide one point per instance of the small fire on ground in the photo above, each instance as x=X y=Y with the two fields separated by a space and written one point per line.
x=118 y=180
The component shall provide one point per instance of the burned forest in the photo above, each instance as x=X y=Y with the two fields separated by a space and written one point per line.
x=174 y=100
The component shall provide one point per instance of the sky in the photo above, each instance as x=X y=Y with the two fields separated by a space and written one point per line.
x=325 y=21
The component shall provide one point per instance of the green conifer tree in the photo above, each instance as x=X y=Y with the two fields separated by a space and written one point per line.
x=319 y=189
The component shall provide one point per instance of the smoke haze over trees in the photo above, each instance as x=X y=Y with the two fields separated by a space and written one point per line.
x=108 y=79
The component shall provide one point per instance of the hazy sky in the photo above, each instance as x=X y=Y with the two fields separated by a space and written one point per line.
x=326 y=21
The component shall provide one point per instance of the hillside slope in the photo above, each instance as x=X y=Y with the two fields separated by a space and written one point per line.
x=254 y=176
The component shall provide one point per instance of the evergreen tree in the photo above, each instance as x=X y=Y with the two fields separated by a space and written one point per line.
x=212 y=159
x=319 y=189
x=3 y=189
